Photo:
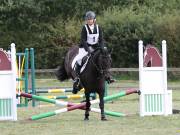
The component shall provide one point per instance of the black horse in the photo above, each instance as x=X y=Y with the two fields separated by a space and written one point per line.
x=93 y=76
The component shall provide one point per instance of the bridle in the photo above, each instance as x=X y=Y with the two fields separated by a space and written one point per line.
x=99 y=68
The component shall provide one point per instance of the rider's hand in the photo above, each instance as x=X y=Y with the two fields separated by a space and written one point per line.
x=89 y=52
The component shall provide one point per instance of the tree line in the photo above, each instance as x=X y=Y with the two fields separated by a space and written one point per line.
x=52 y=26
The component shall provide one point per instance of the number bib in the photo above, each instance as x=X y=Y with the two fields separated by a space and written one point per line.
x=92 y=38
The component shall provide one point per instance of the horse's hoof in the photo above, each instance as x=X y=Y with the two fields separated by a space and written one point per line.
x=75 y=91
x=103 y=119
x=86 y=119
x=75 y=88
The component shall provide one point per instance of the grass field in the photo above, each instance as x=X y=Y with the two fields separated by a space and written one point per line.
x=72 y=123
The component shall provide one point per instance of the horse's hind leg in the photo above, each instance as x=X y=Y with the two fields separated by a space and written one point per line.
x=101 y=106
x=88 y=104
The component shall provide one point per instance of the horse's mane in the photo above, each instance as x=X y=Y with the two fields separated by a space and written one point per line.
x=149 y=46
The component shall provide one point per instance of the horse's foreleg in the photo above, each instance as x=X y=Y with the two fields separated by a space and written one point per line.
x=101 y=106
x=88 y=104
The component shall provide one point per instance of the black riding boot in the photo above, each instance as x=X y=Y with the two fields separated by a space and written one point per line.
x=76 y=85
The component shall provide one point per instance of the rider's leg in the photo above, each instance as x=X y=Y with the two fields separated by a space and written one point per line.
x=77 y=79
x=76 y=85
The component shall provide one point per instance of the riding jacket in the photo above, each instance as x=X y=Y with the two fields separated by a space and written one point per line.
x=91 y=37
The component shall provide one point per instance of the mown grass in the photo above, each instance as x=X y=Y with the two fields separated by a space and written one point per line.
x=72 y=123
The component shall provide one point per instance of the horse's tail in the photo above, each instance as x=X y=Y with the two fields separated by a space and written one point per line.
x=61 y=73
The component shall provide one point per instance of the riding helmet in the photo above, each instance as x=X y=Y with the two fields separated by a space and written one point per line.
x=90 y=15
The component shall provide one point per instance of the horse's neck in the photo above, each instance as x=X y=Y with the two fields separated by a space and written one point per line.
x=156 y=59
x=94 y=61
x=5 y=63
x=92 y=66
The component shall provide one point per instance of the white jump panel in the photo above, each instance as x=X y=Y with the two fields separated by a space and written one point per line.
x=8 y=108
x=155 y=99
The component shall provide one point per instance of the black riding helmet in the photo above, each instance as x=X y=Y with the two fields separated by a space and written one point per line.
x=90 y=15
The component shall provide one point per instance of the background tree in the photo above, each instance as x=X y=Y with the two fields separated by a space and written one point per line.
x=51 y=27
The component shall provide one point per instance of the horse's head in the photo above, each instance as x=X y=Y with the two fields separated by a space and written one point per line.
x=102 y=60
x=152 y=56
x=5 y=63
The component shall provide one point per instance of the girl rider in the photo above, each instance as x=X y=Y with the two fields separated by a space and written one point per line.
x=91 y=38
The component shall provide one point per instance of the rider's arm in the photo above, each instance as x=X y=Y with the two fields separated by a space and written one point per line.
x=84 y=39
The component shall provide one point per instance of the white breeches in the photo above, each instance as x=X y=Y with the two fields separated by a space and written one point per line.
x=78 y=58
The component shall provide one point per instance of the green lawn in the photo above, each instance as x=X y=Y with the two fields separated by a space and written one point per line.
x=72 y=123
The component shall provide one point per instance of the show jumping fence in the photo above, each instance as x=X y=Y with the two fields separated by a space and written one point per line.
x=155 y=98
x=14 y=80
x=8 y=108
